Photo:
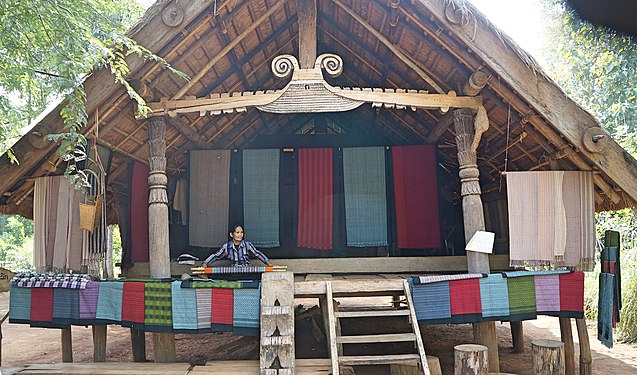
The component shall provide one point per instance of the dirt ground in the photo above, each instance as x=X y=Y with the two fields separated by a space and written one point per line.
x=24 y=345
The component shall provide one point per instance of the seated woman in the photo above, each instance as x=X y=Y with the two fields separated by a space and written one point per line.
x=237 y=250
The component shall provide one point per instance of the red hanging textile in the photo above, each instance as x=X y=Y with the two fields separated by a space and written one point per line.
x=416 y=196
x=315 y=198
x=139 y=212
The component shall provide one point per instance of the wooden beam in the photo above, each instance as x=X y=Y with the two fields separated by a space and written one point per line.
x=404 y=58
x=541 y=93
x=204 y=70
x=401 y=265
x=189 y=133
x=306 y=10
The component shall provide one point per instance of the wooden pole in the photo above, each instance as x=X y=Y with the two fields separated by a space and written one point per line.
x=67 y=345
x=548 y=357
x=517 y=336
x=158 y=245
x=138 y=343
x=99 y=343
x=470 y=359
x=585 y=358
x=566 y=333
x=306 y=10
x=473 y=216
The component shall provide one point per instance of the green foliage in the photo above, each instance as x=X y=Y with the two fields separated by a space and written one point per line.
x=16 y=243
x=597 y=67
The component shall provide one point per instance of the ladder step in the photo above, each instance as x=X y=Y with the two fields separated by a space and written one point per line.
x=378 y=359
x=371 y=313
x=392 y=337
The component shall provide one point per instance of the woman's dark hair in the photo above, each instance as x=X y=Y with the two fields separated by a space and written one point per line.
x=234 y=227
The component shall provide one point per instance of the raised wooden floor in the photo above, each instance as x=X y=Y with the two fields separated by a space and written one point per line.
x=303 y=367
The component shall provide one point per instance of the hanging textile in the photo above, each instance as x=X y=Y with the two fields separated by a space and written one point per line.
x=210 y=197
x=40 y=222
x=365 y=196
x=179 y=200
x=610 y=265
x=605 y=309
x=551 y=218
x=138 y=223
x=315 y=210
x=261 y=197
x=57 y=236
x=416 y=196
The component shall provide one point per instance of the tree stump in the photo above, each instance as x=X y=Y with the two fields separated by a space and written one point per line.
x=548 y=357
x=470 y=359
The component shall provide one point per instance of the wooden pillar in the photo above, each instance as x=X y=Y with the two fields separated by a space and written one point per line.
x=138 y=343
x=470 y=359
x=158 y=246
x=67 y=345
x=566 y=333
x=99 y=343
x=306 y=10
x=585 y=358
x=473 y=216
x=548 y=357
x=517 y=336
x=277 y=353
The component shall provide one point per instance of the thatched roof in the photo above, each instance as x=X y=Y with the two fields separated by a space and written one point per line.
x=435 y=45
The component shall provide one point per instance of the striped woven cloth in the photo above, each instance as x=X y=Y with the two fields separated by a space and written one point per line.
x=605 y=309
x=237 y=269
x=184 y=306
x=88 y=300
x=158 y=307
x=534 y=273
x=202 y=283
x=133 y=310
x=261 y=196
x=547 y=291
x=494 y=293
x=466 y=305
x=204 y=308
x=19 y=305
x=41 y=305
x=66 y=306
x=222 y=308
x=438 y=278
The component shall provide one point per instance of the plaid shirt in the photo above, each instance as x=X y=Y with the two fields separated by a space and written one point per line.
x=238 y=255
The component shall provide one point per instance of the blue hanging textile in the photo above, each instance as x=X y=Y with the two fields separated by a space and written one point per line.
x=365 y=196
x=261 y=197
x=605 y=309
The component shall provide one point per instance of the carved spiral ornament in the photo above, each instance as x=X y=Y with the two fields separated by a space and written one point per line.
x=284 y=65
x=332 y=64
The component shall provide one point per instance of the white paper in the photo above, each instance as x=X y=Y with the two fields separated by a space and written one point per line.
x=481 y=242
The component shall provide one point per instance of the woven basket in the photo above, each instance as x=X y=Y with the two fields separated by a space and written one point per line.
x=90 y=213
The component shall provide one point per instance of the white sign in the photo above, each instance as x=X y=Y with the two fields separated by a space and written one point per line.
x=481 y=242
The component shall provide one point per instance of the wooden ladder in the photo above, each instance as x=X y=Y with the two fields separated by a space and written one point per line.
x=336 y=340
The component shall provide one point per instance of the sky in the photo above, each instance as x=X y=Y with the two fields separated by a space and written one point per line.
x=519 y=19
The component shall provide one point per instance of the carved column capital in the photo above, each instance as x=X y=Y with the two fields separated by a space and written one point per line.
x=157 y=179
x=467 y=160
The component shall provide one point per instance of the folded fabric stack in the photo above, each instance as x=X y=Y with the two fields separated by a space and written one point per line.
x=152 y=305
x=511 y=296
x=187 y=259
x=51 y=280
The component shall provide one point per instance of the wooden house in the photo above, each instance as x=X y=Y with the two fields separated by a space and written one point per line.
x=336 y=75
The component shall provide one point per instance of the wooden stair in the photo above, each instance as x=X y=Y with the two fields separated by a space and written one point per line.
x=333 y=316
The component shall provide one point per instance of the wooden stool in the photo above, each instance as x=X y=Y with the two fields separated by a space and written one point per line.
x=470 y=359
x=548 y=357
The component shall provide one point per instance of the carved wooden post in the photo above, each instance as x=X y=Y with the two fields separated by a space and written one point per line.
x=473 y=216
x=158 y=246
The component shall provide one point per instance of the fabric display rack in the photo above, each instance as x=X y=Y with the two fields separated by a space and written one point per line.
x=153 y=305
x=506 y=296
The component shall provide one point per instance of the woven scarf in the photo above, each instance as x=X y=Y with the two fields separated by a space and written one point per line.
x=88 y=300
x=416 y=196
x=494 y=294
x=605 y=309
x=547 y=294
x=365 y=196
x=133 y=307
x=522 y=297
x=210 y=197
x=315 y=199
x=222 y=307
x=19 y=305
x=184 y=306
x=204 y=308
x=109 y=302
x=572 y=293
x=261 y=196
x=41 y=305
x=139 y=212
x=464 y=295
x=158 y=307
x=246 y=311
x=66 y=306
x=432 y=303
x=551 y=218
